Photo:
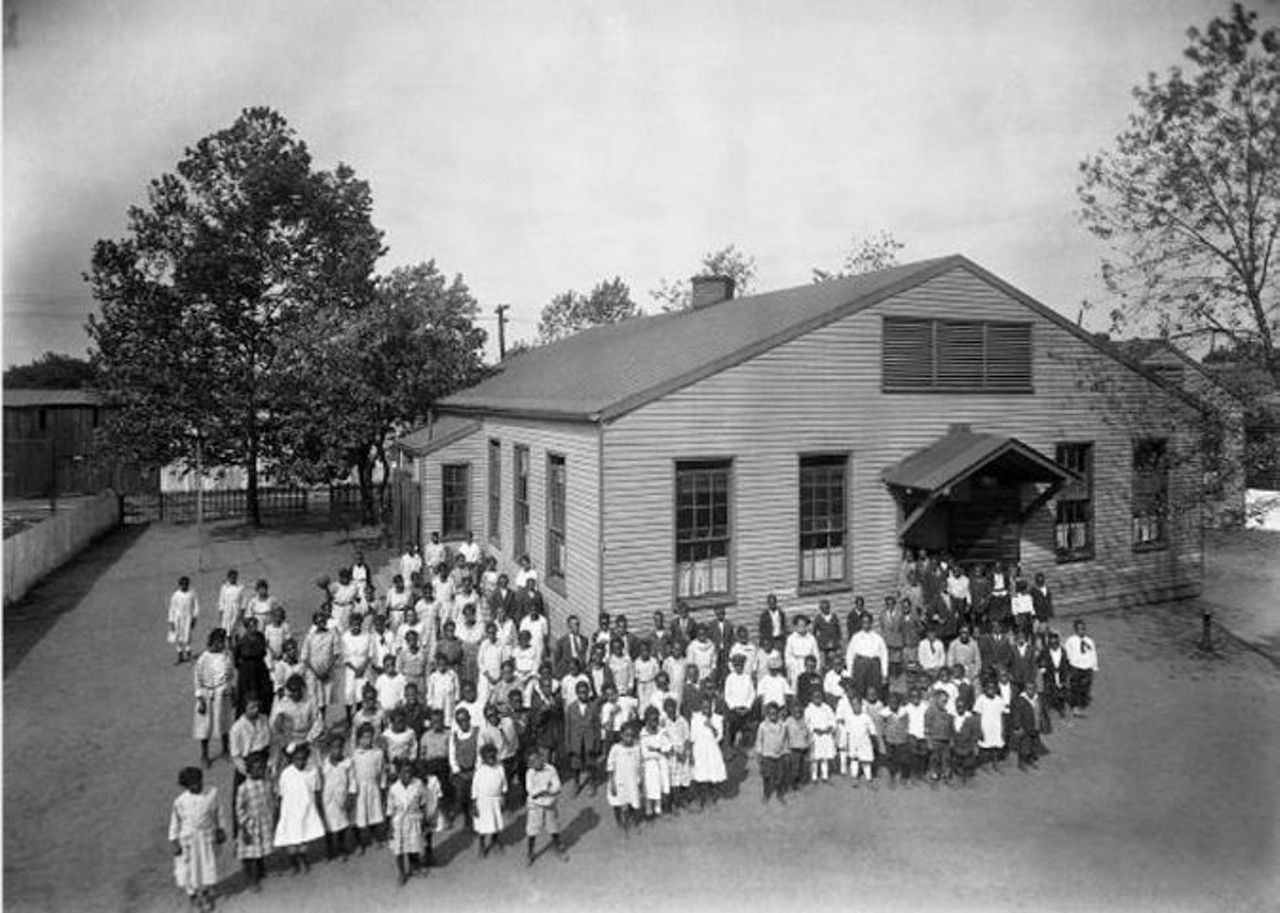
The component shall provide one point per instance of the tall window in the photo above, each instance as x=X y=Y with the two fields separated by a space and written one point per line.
x=555 y=522
x=495 y=492
x=703 y=529
x=823 y=523
x=1150 y=493
x=976 y=356
x=454 y=508
x=1073 y=526
x=520 y=501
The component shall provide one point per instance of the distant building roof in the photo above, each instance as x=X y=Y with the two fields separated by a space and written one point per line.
x=605 y=372
x=27 y=399
x=1143 y=349
x=440 y=433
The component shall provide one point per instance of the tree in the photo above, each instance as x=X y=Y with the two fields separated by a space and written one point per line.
x=1189 y=198
x=51 y=371
x=728 y=261
x=866 y=255
x=354 y=379
x=569 y=312
x=232 y=256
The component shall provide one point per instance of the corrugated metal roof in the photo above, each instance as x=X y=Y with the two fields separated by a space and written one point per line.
x=606 y=371
x=440 y=433
x=26 y=399
x=959 y=454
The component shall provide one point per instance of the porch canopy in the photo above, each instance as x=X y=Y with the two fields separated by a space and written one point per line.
x=962 y=463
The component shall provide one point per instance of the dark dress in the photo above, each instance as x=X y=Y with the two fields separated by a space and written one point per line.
x=252 y=675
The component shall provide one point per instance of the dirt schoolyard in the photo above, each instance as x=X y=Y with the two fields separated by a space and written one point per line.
x=1164 y=798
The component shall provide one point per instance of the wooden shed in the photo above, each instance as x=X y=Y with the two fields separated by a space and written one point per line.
x=796 y=442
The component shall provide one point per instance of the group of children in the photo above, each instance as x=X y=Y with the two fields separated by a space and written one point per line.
x=458 y=703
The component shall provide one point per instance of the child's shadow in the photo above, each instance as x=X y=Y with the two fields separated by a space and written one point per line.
x=453 y=846
x=582 y=824
x=736 y=772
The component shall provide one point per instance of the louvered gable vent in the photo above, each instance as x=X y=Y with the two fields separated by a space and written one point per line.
x=955 y=356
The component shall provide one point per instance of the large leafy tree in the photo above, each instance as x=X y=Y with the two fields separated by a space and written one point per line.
x=1189 y=197
x=234 y=254
x=51 y=371
x=353 y=379
x=728 y=261
x=866 y=255
x=569 y=312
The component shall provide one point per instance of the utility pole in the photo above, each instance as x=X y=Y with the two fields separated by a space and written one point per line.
x=501 y=311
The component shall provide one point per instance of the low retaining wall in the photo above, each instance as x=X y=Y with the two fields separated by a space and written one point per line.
x=41 y=549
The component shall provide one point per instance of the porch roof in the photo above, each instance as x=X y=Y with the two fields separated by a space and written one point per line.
x=961 y=453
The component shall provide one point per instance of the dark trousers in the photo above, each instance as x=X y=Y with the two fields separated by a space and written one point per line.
x=964 y=764
x=773 y=774
x=919 y=757
x=799 y=764
x=462 y=792
x=939 y=759
x=1081 y=684
x=898 y=760
x=737 y=722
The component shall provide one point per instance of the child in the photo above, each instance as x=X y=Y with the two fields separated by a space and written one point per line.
x=706 y=729
x=800 y=644
x=286 y=666
x=897 y=740
x=655 y=749
x=184 y=609
x=1055 y=672
x=581 y=735
x=1042 y=603
x=337 y=796
x=740 y=701
x=390 y=685
x=542 y=789
x=433 y=755
x=442 y=689
x=300 y=820
x=798 y=740
x=488 y=788
x=357 y=662
x=368 y=768
x=677 y=729
x=1082 y=662
x=1024 y=727
x=859 y=734
x=525 y=657
x=254 y=811
x=809 y=682
x=822 y=724
x=407 y=812
x=990 y=708
x=214 y=681
x=321 y=651
x=940 y=731
x=964 y=750
x=1024 y=609
x=915 y=712
x=623 y=765
x=231 y=605
x=646 y=669
x=771 y=748
x=276 y=632
x=464 y=742
x=399 y=741
x=195 y=829
x=621 y=668
x=369 y=714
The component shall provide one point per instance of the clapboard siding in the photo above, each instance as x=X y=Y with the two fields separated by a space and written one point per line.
x=579 y=444
x=468 y=450
x=822 y=393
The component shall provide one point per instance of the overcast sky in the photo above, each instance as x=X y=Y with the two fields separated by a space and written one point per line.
x=540 y=146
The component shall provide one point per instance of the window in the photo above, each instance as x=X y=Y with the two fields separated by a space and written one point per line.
x=454 y=509
x=520 y=501
x=1073 y=526
x=703 y=532
x=1150 y=493
x=823 y=526
x=921 y=355
x=495 y=492
x=555 y=522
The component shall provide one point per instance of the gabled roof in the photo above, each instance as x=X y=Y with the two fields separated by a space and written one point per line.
x=605 y=372
x=1143 y=349
x=437 y=434
x=959 y=454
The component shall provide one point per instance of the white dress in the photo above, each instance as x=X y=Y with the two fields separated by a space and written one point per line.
x=339 y=784
x=858 y=730
x=194 y=824
x=299 y=818
x=214 y=680
x=184 y=609
x=820 y=716
x=708 y=761
x=655 y=747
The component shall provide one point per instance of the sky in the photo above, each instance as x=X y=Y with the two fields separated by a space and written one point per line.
x=539 y=147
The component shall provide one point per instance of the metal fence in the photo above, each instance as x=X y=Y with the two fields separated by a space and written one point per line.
x=273 y=501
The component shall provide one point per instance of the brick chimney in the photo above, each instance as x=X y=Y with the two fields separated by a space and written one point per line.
x=709 y=290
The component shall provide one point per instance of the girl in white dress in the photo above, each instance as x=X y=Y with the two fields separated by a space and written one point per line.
x=706 y=729
x=195 y=829
x=624 y=767
x=214 y=679
x=821 y=721
x=184 y=609
x=301 y=820
x=859 y=734
x=655 y=753
x=677 y=730
x=357 y=662
x=338 y=789
x=368 y=766
x=407 y=812
x=488 y=787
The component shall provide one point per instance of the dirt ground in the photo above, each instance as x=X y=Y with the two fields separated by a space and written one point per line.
x=1164 y=798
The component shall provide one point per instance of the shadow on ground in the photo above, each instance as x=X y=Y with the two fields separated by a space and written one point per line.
x=29 y=619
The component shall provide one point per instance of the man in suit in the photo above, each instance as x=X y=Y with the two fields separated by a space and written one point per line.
x=502 y=601
x=722 y=637
x=684 y=629
x=773 y=625
x=571 y=646
x=1024 y=727
x=528 y=598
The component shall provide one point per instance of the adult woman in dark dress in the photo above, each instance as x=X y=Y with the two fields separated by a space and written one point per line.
x=252 y=674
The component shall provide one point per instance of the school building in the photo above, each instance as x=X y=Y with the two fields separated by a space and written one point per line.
x=795 y=442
